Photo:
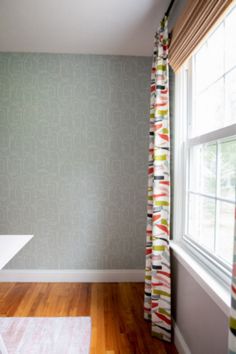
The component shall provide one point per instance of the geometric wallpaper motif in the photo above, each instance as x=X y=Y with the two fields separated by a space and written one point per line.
x=73 y=159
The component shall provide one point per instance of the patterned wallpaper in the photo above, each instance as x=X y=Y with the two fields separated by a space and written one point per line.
x=73 y=159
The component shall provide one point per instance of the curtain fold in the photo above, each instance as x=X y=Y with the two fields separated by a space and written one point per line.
x=157 y=298
x=232 y=319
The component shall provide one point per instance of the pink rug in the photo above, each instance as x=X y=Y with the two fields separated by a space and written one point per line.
x=46 y=335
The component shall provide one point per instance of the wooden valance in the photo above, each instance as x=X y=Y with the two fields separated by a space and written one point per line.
x=197 y=18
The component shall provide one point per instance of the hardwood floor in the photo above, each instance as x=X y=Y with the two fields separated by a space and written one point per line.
x=116 y=310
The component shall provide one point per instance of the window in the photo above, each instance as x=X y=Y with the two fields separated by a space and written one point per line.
x=208 y=101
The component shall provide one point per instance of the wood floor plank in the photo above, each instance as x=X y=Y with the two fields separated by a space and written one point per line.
x=116 y=310
x=97 y=315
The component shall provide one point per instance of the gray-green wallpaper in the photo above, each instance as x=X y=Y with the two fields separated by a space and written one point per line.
x=73 y=159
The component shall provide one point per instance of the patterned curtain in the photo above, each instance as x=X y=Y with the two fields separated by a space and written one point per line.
x=232 y=320
x=157 y=299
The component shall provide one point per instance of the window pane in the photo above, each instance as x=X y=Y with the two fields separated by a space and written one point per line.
x=209 y=110
x=230 y=95
x=209 y=60
x=225 y=234
x=202 y=220
x=207 y=232
x=203 y=169
x=227 y=169
x=215 y=54
x=230 y=42
x=194 y=217
x=201 y=69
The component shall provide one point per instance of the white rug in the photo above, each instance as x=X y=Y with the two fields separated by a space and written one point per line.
x=46 y=335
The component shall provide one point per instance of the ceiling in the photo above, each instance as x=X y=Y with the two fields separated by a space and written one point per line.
x=116 y=27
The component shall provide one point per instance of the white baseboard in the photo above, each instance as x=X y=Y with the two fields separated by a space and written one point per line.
x=179 y=341
x=80 y=276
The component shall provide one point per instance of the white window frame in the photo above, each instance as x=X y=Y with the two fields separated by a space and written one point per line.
x=183 y=98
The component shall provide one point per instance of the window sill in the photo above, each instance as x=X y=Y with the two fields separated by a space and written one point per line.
x=219 y=293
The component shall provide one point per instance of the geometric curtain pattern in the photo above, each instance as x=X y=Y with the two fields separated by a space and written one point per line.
x=232 y=319
x=157 y=297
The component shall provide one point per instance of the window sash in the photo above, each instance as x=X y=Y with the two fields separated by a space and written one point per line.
x=185 y=106
x=212 y=197
x=220 y=134
x=225 y=135
x=211 y=258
